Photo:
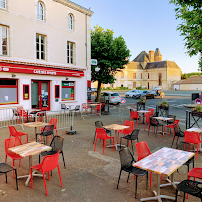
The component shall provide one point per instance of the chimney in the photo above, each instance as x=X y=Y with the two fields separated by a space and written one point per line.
x=151 y=56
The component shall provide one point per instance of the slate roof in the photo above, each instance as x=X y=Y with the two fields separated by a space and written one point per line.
x=142 y=57
x=191 y=80
x=161 y=64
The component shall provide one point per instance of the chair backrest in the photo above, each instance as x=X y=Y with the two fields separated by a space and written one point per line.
x=171 y=121
x=151 y=112
x=57 y=143
x=177 y=130
x=176 y=121
x=126 y=158
x=48 y=130
x=13 y=131
x=191 y=137
x=142 y=150
x=50 y=162
x=77 y=107
x=135 y=133
x=101 y=133
x=98 y=124
x=131 y=128
x=11 y=142
x=147 y=118
x=84 y=106
x=53 y=121
x=134 y=114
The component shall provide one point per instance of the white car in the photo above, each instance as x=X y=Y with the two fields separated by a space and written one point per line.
x=132 y=93
x=110 y=97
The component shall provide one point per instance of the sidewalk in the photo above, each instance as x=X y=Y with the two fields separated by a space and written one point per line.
x=89 y=176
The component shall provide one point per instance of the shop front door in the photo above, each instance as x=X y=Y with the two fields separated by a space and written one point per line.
x=40 y=94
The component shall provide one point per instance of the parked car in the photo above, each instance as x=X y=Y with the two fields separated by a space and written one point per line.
x=132 y=93
x=142 y=93
x=110 y=97
x=151 y=94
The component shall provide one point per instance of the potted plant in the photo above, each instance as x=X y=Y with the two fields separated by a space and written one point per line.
x=197 y=111
x=142 y=101
x=164 y=105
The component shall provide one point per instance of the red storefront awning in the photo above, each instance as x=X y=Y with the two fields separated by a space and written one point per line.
x=29 y=69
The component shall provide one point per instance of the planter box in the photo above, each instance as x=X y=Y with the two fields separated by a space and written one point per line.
x=195 y=113
x=141 y=103
x=163 y=107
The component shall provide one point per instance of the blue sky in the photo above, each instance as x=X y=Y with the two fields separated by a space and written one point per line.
x=145 y=25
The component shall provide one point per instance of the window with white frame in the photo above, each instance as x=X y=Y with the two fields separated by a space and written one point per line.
x=40 y=11
x=40 y=47
x=3 y=40
x=70 y=52
x=70 y=22
x=2 y=3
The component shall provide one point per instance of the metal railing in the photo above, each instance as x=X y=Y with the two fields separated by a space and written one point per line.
x=9 y=116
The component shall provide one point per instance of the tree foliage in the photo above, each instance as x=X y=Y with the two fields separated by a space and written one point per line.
x=190 y=12
x=111 y=53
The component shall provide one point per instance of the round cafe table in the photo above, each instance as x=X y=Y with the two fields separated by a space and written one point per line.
x=189 y=105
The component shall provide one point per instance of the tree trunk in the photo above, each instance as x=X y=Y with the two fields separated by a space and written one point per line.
x=98 y=91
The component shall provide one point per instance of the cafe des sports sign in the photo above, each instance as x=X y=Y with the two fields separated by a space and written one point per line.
x=28 y=69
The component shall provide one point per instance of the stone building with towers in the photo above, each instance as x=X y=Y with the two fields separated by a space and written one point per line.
x=148 y=70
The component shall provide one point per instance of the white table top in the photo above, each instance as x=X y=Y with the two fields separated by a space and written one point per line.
x=198 y=130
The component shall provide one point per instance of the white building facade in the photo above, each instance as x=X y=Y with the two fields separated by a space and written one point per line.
x=45 y=53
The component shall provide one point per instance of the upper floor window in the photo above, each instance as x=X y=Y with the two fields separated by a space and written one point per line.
x=40 y=11
x=70 y=52
x=70 y=22
x=122 y=75
x=148 y=75
x=141 y=75
x=2 y=3
x=134 y=75
x=40 y=47
x=3 y=40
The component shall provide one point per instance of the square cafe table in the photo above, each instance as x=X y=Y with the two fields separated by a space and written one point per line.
x=35 y=125
x=143 y=112
x=164 y=161
x=30 y=149
x=162 y=119
x=116 y=127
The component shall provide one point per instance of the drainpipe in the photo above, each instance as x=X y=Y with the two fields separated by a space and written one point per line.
x=86 y=43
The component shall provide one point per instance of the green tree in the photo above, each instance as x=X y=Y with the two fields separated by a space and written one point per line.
x=111 y=53
x=184 y=76
x=190 y=12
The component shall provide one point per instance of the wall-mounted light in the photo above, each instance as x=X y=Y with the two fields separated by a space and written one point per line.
x=67 y=78
x=97 y=69
x=13 y=75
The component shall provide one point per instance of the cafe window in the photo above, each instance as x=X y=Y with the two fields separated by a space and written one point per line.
x=25 y=92
x=8 y=91
x=68 y=90
x=57 y=91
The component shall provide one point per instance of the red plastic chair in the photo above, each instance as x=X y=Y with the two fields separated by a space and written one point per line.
x=147 y=121
x=85 y=107
x=15 y=133
x=194 y=138
x=170 y=126
x=49 y=163
x=134 y=115
x=143 y=151
x=151 y=112
x=127 y=131
x=195 y=173
x=102 y=134
x=9 y=143
x=53 y=121
x=24 y=114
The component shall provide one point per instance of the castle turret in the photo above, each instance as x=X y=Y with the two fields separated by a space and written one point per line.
x=157 y=55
